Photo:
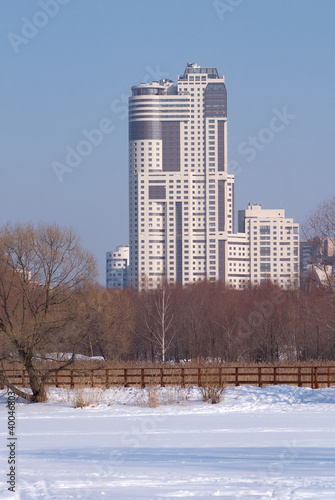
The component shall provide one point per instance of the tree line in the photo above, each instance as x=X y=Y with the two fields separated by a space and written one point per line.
x=211 y=322
x=52 y=308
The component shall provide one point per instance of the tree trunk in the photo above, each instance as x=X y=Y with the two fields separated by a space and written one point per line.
x=37 y=386
x=32 y=398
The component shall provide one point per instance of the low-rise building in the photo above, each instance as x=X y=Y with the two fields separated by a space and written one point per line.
x=117 y=268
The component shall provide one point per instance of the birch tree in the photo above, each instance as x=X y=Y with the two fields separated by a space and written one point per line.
x=159 y=318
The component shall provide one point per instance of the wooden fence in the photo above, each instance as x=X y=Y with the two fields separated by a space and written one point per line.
x=301 y=376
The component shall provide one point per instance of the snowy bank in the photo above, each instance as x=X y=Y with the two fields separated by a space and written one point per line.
x=275 y=442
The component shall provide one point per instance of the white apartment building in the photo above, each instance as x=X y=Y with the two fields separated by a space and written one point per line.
x=117 y=268
x=273 y=242
x=180 y=193
x=181 y=196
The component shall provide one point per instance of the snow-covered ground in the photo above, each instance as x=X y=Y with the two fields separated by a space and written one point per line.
x=271 y=443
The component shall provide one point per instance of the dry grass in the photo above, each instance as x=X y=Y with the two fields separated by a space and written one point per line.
x=154 y=396
x=176 y=395
x=84 y=398
x=148 y=397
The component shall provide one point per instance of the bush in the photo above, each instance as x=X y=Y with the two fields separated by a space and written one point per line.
x=212 y=390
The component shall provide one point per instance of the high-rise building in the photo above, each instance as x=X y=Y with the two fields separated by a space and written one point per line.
x=181 y=196
x=117 y=268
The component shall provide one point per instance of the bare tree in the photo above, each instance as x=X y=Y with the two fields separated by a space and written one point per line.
x=41 y=270
x=195 y=321
x=319 y=229
x=322 y=221
x=107 y=319
x=159 y=317
x=224 y=315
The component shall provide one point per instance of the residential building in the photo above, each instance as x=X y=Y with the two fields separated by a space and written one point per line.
x=307 y=256
x=181 y=196
x=273 y=241
x=317 y=262
x=180 y=193
x=319 y=251
x=117 y=268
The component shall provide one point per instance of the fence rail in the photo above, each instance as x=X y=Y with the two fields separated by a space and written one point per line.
x=301 y=376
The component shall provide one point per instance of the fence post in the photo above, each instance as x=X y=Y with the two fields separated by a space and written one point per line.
x=316 y=382
x=260 y=377
x=274 y=375
x=162 y=377
x=56 y=379
x=183 y=377
x=237 y=383
x=107 y=379
x=92 y=378
x=199 y=377
x=142 y=378
x=71 y=380
x=220 y=376
x=299 y=376
x=125 y=376
x=328 y=377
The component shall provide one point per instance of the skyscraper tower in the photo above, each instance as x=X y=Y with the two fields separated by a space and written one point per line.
x=181 y=197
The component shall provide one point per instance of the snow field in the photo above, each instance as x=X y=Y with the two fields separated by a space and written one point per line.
x=270 y=443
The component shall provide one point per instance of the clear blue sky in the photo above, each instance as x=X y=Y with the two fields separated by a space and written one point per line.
x=76 y=69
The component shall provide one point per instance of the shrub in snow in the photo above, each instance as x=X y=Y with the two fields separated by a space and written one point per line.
x=212 y=387
x=212 y=393
x=154 y=397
